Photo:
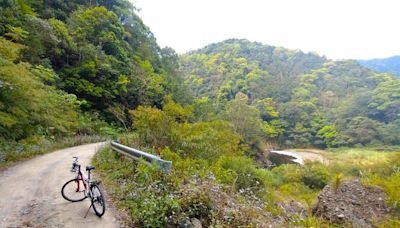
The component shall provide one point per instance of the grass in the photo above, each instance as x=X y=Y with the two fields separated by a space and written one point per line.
x=373 y=167
x=137 y=183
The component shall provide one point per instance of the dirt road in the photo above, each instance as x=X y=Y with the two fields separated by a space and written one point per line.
x=30 y=193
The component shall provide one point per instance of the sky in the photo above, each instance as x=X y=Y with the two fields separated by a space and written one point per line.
x=338 y=29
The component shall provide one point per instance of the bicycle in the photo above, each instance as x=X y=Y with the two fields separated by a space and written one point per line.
x=82 y=187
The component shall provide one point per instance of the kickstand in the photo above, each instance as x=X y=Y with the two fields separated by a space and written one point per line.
x=88 y=210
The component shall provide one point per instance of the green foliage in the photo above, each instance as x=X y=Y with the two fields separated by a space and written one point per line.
x=153 y=125
x=316 y=175
x=328 y=134
x=78 y=67
x=245 y=119
x=154 y=204
x=337 y=181
x=313 y=175
x=301 y=193
x=289 y=173
x=102 y=53
x=241 y=173
x=208 y=189
x=248 y=123
x=391 y=186
x=305 y=99
x=29 y=106
x=9 y=50
x=12 y=152
x=155 y=199
x=207 y=140
x=204 y=109
x=170 y=127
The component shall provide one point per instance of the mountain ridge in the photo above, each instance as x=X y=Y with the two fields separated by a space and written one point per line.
x=385 y=65
x=312 y=94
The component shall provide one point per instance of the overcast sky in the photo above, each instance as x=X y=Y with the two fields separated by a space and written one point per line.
x=338 y=29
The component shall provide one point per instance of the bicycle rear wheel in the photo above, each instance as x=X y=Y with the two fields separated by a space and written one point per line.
x=74 y=190
x=98 y=201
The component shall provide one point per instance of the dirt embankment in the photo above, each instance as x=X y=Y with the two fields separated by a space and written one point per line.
x=352 y=204
x=30 y=193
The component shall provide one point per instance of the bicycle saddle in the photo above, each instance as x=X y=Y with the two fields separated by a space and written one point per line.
x=88 y=168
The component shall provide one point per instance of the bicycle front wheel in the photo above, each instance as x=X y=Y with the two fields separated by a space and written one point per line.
x=74 y=190
x=98 y=201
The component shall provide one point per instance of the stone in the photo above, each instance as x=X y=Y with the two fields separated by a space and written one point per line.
x=196 y=223
x=352 y=204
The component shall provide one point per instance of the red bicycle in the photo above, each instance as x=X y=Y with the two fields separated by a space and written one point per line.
x=82 y=187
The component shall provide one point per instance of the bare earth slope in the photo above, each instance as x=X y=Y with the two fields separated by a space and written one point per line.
x=30 y=193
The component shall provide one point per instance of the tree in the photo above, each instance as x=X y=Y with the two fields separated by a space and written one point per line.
x=329 y=135
x=29 y=104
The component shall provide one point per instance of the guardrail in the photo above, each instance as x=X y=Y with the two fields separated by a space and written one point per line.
x=136 y=154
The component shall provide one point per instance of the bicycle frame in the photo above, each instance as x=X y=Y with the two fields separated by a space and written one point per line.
x=81 y=176
x=91 y=189
x=85 y=179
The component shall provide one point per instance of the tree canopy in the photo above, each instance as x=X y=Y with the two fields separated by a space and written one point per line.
x=316 y=99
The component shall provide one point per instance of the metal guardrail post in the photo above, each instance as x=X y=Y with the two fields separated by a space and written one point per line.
x=136 y=154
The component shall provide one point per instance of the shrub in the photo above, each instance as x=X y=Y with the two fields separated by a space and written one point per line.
x=206 y=140
x=153 y=198
x=288 y=173
x=316 y=175
x=299 y=192
x=246 y=177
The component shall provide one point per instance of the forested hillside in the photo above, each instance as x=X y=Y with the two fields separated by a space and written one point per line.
x=388 y=65
x=318 y=102
x=65 y=64
x=81 y=67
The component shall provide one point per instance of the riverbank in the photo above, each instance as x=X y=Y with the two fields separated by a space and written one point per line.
x=300 y=156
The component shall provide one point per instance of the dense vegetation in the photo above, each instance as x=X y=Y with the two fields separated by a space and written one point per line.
x=226 y=189
x=76 y=67
x=389 y=65
x=318 y=102
x=73 y=68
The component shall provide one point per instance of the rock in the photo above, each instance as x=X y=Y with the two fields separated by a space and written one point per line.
x=352 y=204
x=294 y=209
x=34 y=148
x=185 y=224
x=19 y=149
x=196 y=223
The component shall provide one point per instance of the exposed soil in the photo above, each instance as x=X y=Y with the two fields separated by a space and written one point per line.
x=311 y=156
x=353 y=204
x=30 y=193
x=297 y=157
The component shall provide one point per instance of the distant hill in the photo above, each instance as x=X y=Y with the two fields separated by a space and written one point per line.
x=387 y=65
x=319 y=101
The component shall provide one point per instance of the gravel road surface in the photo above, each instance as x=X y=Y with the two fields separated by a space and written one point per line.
x=30 y=192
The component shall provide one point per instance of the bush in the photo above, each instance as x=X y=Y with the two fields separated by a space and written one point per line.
x=206 y=140
x=288 y=173
x=154 y=199
x=316 y=175
x=11 y=151
x=243 y=175
x=299 y=192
